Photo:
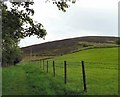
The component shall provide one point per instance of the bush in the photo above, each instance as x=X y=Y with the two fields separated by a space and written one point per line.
x=11 y=55
x=118 y=41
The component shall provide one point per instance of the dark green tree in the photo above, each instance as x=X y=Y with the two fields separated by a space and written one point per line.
x=118 y=41
x=18 y=24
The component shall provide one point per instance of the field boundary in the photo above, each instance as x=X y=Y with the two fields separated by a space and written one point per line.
x=44 y=65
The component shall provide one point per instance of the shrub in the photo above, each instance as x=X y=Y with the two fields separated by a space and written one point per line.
x=118 y=41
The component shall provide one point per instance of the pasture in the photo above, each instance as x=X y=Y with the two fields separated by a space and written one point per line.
x=30 y=78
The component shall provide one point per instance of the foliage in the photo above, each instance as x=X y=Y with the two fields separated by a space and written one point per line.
x=11 y=53
x=118 y=41
x=13 y=22
x=17 y=23
x=61 y=4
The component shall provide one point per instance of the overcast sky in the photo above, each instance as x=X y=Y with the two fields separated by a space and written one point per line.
x=84 y=18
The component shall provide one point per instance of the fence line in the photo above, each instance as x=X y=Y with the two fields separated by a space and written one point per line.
x=64 y=65
x=65 y=71
x=100 y=63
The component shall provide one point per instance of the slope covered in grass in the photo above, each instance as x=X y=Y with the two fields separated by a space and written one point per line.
x=104 y=55
x=101 y=66
x=28 y=79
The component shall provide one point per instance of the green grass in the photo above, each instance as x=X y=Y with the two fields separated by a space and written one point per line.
x=93 y=55
x=30 y=79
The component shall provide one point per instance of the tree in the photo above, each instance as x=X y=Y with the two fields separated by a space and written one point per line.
x=118 y=41
x=61 y=4
x=12 y=26
x=18 y=24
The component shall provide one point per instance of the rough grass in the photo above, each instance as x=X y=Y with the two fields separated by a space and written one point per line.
x=101 y=66
x=67 y=46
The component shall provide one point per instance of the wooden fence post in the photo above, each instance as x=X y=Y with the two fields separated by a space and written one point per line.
x=47 y=66
x=40 y=64
x=65 y=73
x=84 y=78
x=53 y=68
x=43 y=64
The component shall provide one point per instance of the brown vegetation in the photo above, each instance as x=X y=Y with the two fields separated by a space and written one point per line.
x=65 y=46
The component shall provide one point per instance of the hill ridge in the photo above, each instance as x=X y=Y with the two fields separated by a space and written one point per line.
x=69 y=39
x=64 y=46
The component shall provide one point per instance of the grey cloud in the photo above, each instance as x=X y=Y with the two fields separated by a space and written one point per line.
x=104 y=21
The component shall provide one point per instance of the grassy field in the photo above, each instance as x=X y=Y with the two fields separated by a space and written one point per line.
x=101 y=66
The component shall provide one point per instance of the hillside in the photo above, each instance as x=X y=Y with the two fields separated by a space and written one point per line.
x=101 y=68
x=71 y=45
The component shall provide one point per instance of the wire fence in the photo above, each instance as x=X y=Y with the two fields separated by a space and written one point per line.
x=87 y=76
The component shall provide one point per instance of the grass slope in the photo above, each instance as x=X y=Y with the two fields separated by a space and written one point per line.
x=93 y=55
x=30 y=79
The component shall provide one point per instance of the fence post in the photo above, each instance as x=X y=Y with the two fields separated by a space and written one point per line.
x=84 y=78
x=47 y=66
x=53 y=68
x=65 y=73
x=40 y=63
x=43 y=64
